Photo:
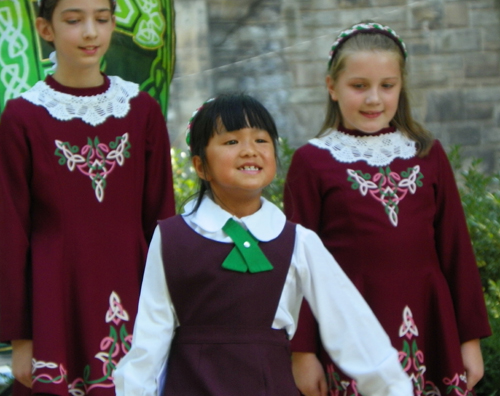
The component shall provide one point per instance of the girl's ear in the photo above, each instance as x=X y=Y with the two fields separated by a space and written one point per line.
x=200 y=169
x=330 y=85
x=44 y=29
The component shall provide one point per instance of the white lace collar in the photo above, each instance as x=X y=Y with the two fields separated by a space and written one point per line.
x=379 y=150
x=93 y=110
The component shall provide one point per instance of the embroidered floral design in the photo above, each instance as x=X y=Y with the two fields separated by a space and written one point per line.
x=112 y=348
x=413 y=363
x=387 y=187
x=453 y=385
x=95 y=160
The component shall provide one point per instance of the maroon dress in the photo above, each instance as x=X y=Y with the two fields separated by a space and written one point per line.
x=78 y=206
x=399 y=233
x=224 y=345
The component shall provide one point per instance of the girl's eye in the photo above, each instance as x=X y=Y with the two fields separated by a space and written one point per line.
x=387 y=85
x=71 y=21
x=261 y=141
x=231 y=142
x=358 y=86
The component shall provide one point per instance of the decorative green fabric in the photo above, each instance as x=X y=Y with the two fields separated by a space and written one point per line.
x=142 y=48
x=246 y=255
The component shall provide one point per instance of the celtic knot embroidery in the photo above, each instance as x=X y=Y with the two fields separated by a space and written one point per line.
x=112 y=348
x=116 y=313
x=411 y=358
x=95 y=160
x=387 y=187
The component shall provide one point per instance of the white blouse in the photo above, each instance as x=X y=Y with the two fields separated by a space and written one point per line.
x=350 y=333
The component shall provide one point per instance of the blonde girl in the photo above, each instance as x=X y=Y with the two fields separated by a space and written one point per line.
x=380 y=193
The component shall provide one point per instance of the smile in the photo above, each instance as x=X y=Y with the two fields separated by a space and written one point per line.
x=250 y=168
x=90 y=49
x=371 y=114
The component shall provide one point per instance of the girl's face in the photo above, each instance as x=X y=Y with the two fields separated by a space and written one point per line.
x=81 y=32
x=367 y=90
x=239 y=165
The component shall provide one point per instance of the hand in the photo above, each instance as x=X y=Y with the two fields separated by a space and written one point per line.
x=308 y=374
x=22 y=354
x=473 y=362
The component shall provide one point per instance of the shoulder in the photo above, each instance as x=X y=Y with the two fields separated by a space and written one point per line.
x=310 y=154
x=16 y=109
x=437 y=151
x=308 y=238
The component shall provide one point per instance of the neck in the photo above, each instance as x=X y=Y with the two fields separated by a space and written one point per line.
x=87 y=78
x=239 y=207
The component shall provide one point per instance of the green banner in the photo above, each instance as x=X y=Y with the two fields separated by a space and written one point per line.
x=142 y=48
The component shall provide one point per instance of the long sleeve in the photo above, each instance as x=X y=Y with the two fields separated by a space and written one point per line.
x=456 y=255
x=139 y=371
x=158 y=189
x=15 y=174
x=302 y=205
x=349 y=330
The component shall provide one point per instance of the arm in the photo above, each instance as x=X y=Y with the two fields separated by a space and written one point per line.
x=158 y=202
x=308 y=374
x=473 y=362
x=456 y=255
x=349 y=331
x=22 y=353
x=15 y=224
x=302 y=205
x=138 y=372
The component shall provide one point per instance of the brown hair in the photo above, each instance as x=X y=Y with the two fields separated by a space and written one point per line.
x=403 y=120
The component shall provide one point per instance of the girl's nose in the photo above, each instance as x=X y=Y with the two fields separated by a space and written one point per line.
x=90 y=30
x=373 y=96
x=248 y=149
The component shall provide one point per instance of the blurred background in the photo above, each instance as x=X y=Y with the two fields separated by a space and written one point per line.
x=277 y=50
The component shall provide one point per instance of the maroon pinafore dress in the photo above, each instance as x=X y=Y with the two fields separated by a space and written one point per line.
x=225 y=345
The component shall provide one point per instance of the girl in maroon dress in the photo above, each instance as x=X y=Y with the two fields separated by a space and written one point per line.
x=84 y=175
x=224 y=281
x=380 y=193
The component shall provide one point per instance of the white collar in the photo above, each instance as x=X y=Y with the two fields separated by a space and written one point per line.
x=379 y=150
x=266 y=224
x=93 y=110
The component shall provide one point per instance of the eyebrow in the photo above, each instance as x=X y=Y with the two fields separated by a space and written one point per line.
x=80 y=11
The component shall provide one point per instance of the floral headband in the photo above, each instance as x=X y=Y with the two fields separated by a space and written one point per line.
x=190 y=123
x=369 y=27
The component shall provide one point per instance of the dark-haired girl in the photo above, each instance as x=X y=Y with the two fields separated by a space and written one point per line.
x=84 y=175
x=224 y=281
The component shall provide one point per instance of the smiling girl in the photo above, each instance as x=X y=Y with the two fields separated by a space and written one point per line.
x=84 y=175
x=380 y=193
x=224 y=281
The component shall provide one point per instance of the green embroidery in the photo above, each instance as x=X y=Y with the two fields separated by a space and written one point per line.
x=95 y=160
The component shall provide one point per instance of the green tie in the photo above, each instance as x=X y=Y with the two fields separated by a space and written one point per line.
x=246 y=255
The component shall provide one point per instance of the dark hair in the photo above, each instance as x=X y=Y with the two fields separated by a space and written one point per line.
x=47 y=7
x=403 y=119
x=229 y=112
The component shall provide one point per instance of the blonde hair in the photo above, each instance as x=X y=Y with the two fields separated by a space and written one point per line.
x=403 y=120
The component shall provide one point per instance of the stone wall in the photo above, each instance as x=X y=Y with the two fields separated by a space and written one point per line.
x=277 y=51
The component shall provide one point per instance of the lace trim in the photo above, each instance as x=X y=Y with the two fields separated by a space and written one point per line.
x=93 y=110
x=378 y=150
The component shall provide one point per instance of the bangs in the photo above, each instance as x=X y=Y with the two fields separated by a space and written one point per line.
x=234 y=113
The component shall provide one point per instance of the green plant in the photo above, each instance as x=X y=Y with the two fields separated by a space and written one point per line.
x=480 y=194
